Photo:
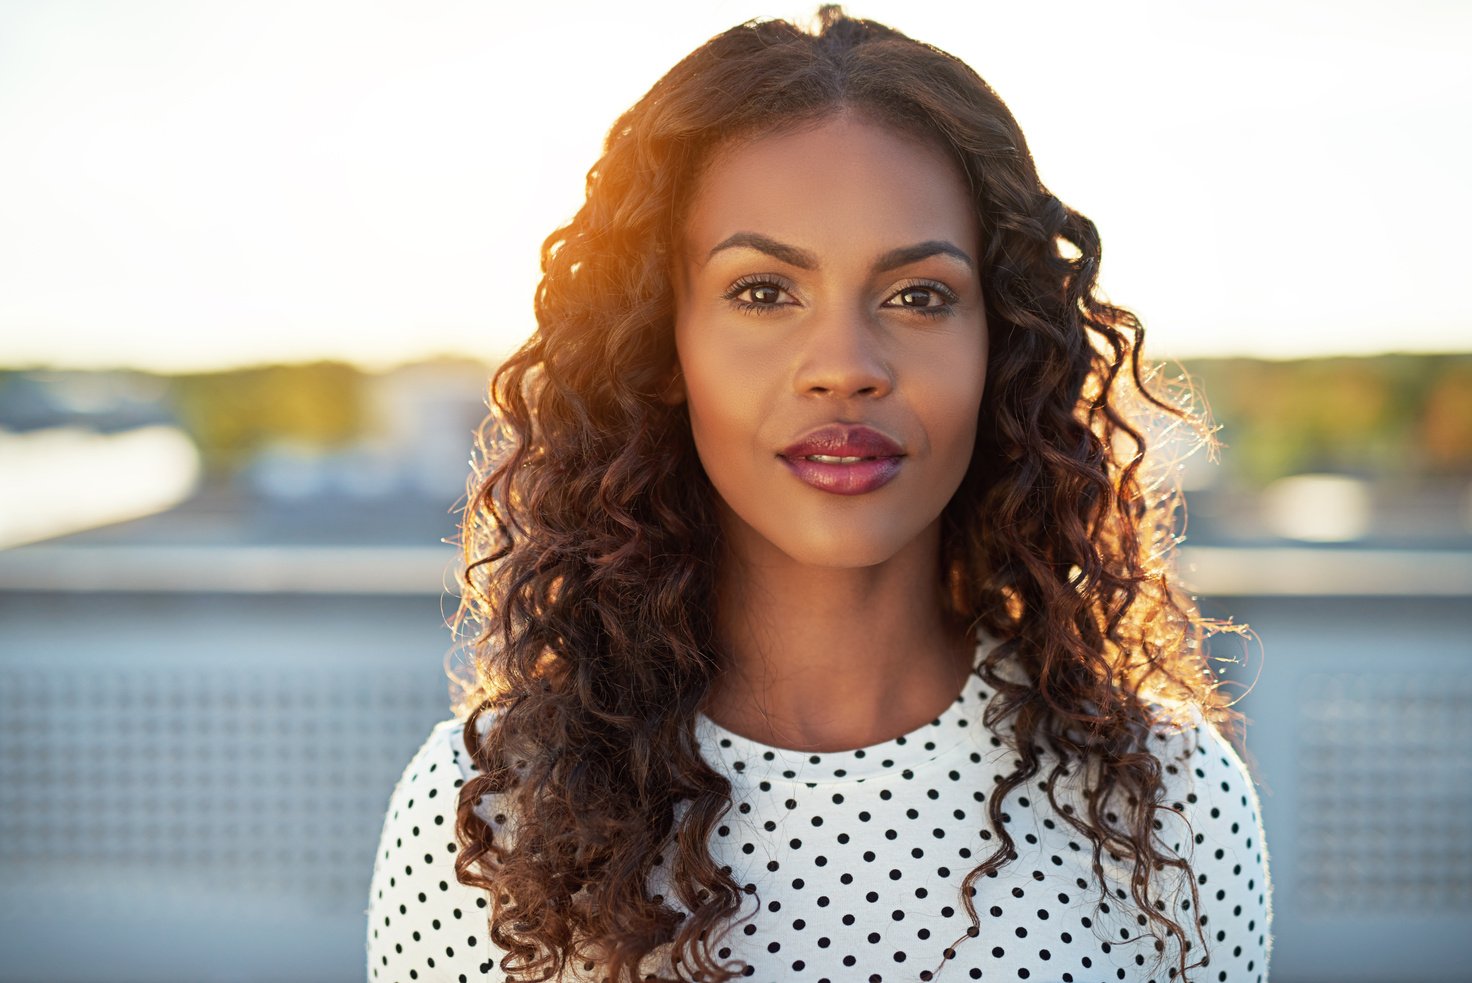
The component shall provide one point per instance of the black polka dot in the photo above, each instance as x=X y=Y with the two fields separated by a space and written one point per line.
x=877 y=881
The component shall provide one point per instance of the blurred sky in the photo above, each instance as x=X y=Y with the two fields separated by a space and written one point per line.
x=201 y=184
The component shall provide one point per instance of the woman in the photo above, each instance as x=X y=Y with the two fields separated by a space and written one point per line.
x=826 y=632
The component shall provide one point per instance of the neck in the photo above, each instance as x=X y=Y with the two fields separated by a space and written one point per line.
x=830 y=659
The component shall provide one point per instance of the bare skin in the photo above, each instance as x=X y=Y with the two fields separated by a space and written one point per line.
x=835 y=305
x=809 y=674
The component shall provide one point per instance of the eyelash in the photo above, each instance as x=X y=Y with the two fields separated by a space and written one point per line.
x=946 y=294
x=748 y=282
x=767 y=280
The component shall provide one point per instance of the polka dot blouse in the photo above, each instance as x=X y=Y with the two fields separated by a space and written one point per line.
x=853 y=863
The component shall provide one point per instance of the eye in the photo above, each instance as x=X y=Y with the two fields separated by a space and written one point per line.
x=761 y=294
x=923 y=297
x=917 y=297
x=764 y=294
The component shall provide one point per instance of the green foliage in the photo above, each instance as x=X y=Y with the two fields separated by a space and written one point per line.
x=231 y=414
x=1399 y=416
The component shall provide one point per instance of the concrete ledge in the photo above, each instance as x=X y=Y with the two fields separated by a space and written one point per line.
x=1212 y=571
x=230 y=569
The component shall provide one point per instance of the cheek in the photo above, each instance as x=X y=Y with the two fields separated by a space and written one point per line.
x=720 y=395
x=951 y=403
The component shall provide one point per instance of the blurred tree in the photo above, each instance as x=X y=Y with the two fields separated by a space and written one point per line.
x=232 y=414
x=1397 y=416
x=1446 y=422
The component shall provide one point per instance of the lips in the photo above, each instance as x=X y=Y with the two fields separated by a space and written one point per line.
x=844 y=459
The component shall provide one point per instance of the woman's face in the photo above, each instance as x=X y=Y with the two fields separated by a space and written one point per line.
x=832 y=340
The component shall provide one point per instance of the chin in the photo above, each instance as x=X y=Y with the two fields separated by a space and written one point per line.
x=834 y=541
x=843 y=549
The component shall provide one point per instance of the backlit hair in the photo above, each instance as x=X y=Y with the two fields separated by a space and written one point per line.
x=590 y=538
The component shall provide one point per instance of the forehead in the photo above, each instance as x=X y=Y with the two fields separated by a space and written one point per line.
x=848 y=183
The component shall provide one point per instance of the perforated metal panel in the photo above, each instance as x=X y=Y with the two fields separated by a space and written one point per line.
x=1386 y=772
x=265 y=780
x=191 y=786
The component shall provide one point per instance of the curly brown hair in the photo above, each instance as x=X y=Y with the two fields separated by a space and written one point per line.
x=590 y=538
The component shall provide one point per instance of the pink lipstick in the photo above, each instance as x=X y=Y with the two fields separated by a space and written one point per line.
x=844 y=459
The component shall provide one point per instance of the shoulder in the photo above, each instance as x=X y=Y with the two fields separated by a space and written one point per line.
x=415 y=899
x=440 y=762
x=1213 y=818
x=440 y=766
x=427 y=790
x=1203 y=774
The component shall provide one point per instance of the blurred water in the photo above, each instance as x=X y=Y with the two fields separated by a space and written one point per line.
x=59 y=480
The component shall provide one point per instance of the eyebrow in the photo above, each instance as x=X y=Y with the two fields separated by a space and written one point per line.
x=805 y=260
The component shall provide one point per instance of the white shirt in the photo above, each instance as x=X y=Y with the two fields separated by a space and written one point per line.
x=856 y=860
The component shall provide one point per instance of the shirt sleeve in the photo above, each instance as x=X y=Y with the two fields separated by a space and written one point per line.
x=1212 y=789
x=424 y=926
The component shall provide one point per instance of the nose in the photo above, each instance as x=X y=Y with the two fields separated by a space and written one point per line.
x=842 y=356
